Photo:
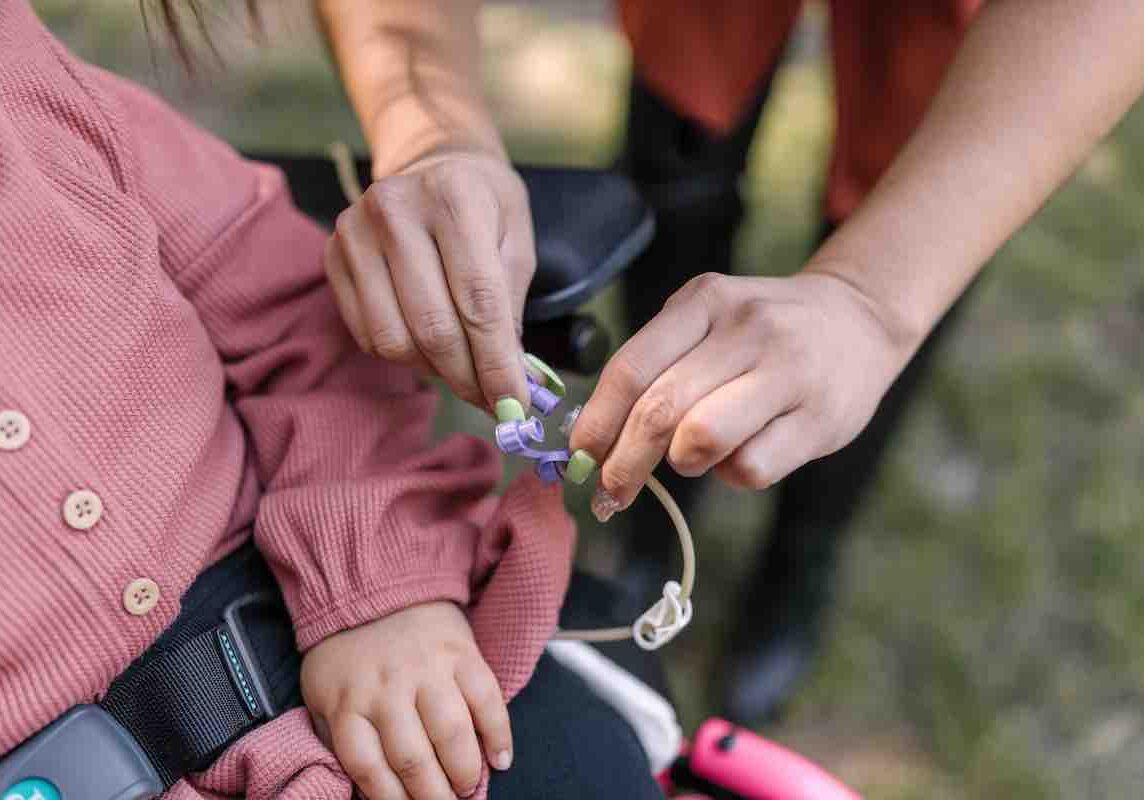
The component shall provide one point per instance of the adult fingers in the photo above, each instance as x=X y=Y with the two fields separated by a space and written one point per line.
x=777 y=450
x=356 y=744
x=518 y=248
x=651 y=425
x=445 y=715
x=409 y=752
x=684 y=321
x=467 y=230
x=345 y=293
x=426 y=304
x=490 y=714
x=724 y=420
x=386 y=331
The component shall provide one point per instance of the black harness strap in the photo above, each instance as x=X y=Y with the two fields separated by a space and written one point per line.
x=215 y=674
x=182 y=708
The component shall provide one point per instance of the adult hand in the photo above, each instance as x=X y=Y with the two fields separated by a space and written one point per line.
x=431 y=268
x=402 y=702
x=750 y=376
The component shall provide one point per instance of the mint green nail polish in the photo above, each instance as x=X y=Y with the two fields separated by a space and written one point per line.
x=547 y=374
x=580 y=467
x=509 y=409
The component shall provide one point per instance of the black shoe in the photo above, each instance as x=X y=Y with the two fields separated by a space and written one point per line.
x=778 y=629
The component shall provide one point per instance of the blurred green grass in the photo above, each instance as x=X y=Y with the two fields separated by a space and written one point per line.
x=986 y=638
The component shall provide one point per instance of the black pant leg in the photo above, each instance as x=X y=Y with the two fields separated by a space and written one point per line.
x=817 y=501
x=691 y=179
x=570 y=745
x=780 y=611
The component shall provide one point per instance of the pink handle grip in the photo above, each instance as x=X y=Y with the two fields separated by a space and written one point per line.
x=753 y=767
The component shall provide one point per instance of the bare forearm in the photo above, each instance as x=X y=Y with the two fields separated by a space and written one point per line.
x=412 y=71
x=1036 y=85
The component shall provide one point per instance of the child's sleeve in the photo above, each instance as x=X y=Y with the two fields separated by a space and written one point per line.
x=361 y=514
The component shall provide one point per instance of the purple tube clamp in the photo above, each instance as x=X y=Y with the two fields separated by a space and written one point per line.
x=550 y=466
x=516 y=438
x=513 y=437
x=542 y=399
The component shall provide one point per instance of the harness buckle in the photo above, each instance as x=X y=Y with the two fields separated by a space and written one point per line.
x=83 y=755
x=245 y=673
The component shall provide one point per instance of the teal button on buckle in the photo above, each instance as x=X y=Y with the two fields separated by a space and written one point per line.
x=32 y=789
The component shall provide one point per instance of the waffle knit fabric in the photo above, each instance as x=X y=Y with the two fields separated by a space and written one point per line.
x=175 y=378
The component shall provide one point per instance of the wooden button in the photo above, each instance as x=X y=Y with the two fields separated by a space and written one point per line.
x=140 y=596
x=82 y=510
x=15 y=429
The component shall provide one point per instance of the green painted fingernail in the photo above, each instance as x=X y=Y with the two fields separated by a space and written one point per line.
x=509 y=409
x=552 y=381
x=580 y=467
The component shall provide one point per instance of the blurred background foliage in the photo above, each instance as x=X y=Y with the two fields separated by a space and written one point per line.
x=987 y=638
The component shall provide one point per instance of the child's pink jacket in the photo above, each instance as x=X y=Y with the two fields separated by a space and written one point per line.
x=174 y=377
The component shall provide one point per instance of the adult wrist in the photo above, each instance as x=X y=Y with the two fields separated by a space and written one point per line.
x=412 y=129
x=905 y=329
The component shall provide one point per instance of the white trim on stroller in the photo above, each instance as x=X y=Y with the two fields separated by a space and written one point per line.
x=646 y=710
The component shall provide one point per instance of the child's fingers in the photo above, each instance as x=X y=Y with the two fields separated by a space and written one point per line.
x=445 y=716
x=356 y=744
x=410 y=753
x=490 y=715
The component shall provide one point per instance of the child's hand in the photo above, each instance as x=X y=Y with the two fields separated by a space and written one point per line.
x=401 y=702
